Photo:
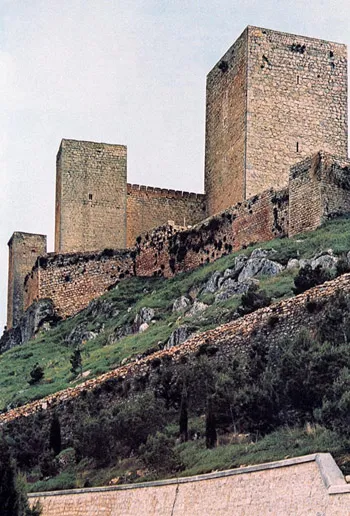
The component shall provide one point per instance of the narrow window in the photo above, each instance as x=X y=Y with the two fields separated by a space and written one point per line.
x=298 y=79
x=297 y=146
x=331 y=54
x=90 y=196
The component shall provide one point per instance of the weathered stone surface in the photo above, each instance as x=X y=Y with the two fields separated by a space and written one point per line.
x=36 y=318
x=179 y=336
x=233 y=288
x=259 y=267
x=181 y=304
x=293 y=263
x=196 y=308
x=145 y=315
x=80 y=334
x=326 y=261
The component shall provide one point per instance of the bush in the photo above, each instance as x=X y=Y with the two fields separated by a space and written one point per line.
x=308 y=277
x=158 y=454
x=36 y=374
x=253 y=300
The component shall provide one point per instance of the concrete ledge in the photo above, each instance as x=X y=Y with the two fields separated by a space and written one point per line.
x=332 y=477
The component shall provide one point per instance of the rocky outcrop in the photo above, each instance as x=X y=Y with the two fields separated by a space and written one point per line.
x=39 y=316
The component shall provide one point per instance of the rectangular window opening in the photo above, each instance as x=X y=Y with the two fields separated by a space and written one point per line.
x=298 y=79
x=297 y=146
x=90 y=196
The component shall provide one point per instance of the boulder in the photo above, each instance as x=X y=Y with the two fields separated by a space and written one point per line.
x=80 y=333
x=181 y=304
x=326 y=261
x=259 y=266
x=233 y=288
x=293 y=263
x=197 y=308
x=145 y=315
x=40 y=316
x=143 y=327
x=179 y=336
x=212 y=284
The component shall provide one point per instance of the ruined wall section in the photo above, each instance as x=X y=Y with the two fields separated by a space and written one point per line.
x=148 y=208
x=319 y=189
x=166 y=252
x=24 y=248
x=226 y=109
x=297 y=104
x=71 y=281
x=90 y=196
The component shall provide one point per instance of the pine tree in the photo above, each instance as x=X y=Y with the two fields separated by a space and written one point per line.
x=210 y=425
x=55 y=435
x=76 y=361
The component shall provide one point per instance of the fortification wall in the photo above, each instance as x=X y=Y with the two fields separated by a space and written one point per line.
x=165 y=252
x=149 y=207
x=294 y=486
x=319 y=189
x=225 y=140
x=24 y=248
x=90 y=196
x=73 y=280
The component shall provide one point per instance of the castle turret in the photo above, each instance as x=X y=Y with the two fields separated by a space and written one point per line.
x=24 y=248
x=272 y=100
x=90 y=196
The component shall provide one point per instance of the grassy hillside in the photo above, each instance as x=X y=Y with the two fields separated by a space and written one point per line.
x=52 y=350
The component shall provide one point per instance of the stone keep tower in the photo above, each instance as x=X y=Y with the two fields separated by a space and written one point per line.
x=91 y=195
x=24 y=248
x=272 y=100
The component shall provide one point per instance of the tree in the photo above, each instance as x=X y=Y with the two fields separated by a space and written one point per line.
x=210 y=425
x=76 y=361
x=55 y=435
x=36 y=374
x=183 y=420
x=13 y=496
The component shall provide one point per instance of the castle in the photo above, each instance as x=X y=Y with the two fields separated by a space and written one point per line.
x=275 y=164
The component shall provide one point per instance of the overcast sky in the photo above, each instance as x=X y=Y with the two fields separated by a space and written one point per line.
x=129 y=72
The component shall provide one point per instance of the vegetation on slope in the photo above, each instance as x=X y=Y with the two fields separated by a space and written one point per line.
x=52 y=350
x=295 y=392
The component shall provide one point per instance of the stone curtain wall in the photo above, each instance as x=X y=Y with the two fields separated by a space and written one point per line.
x=90 y=196
x=319 y=188
x=226 y=111
x=149 y=208
x=297 y=486
x=165 y=252
x=24 y=248
x=73 y=280
x=297 y=104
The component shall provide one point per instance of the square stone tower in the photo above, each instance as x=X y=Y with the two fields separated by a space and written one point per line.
x=272 y=100
x=91 y=196
x=24 y=248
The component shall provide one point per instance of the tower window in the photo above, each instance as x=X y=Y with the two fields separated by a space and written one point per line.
x=297 y=147
x=298 y=79
x=90 y=196
x=331 y=54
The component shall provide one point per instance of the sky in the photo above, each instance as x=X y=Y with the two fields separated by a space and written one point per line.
x=126 y=72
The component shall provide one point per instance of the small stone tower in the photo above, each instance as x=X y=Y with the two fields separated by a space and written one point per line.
x=91 y=195
x=24 y=248
x=272 y=100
